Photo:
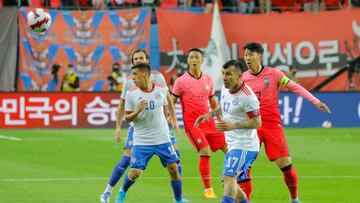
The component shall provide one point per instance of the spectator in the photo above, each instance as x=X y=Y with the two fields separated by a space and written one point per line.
x=246 y=6
x=70 y=82
x=292 y=74
x=117 y=78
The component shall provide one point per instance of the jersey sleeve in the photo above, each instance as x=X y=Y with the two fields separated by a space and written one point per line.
x=252 y=106
x=125 y=88
x=161 y=80
x=177 y=89
x=281 y=78
x=165 y=92
x=129 y=104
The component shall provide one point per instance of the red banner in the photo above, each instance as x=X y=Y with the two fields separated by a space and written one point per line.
x=317 y=44
x=54 y=110
x=90 y=40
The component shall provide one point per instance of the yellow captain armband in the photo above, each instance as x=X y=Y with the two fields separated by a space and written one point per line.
x=284 y=81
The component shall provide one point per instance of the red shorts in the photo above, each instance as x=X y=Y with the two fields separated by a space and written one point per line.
x=202 y=137
x=274 y=141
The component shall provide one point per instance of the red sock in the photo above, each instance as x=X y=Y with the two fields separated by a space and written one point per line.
x=291 y=180
x=246 y=185
x=204 y=168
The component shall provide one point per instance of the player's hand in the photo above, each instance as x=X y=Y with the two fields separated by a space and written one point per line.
x=323 y=107
x=118 y=135
x=143 y=104
x=200 y=120
x=224 y=126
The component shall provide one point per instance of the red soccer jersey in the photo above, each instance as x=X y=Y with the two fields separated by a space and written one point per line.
x=194 y=94
x=266 y=86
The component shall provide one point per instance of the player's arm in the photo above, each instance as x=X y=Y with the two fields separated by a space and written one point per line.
x=171 y=106
x=205 y=117
x=252 y=122
x=298 y=89
x=131 y=116
x=119 y=119
x=214 y=105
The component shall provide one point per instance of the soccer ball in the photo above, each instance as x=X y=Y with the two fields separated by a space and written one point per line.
x=38 y=20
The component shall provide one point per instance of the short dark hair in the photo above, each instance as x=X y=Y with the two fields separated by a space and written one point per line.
x=254 y=47
x=238 y=64
x=144 y=67
x=70 y=65
x=139 y=51
x=196 y=50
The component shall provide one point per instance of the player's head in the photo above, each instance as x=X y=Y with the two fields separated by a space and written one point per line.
x=141 y=73
x=139 y=56
x=253 y=53
x=232 y=73
x=195 y=58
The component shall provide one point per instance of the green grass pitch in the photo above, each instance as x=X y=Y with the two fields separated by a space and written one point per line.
x=74 y=165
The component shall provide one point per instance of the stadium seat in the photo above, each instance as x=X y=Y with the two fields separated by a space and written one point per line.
x=98 y=85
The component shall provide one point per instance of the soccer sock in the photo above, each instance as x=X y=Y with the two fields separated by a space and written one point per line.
x=246 y=186
x=119 y=170
x=127 y=183
x=204 y=168
x=227 y=199
x=291 y=180
x=244 y=201
x=178 y=163
x=177 y=188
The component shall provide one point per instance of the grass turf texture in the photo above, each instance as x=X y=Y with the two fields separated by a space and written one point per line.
x=74 y=166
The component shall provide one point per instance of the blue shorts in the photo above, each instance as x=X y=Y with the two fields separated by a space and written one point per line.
x=141 y=154
x=129 y=139
x=237 y=163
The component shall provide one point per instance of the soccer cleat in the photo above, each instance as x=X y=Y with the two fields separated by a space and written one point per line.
x=105 y=197
x=121 y=196
x=295 y=201
x=209 y=194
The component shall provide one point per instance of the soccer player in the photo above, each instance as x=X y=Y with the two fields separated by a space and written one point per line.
x=265 y=82
x=138 y=56
x=144 y=105
x=241 y=117
x=196 y=90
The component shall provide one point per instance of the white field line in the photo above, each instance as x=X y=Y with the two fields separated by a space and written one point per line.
x=10 y=138
x=162 y=178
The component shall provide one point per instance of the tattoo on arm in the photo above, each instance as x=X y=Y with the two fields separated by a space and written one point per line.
x=215 y=112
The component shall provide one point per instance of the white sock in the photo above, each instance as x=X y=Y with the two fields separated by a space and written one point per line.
x=109 y=188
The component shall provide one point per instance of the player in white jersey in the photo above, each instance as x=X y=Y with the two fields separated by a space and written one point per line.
x=241 y=117
x=138 y=56
x=145 y=105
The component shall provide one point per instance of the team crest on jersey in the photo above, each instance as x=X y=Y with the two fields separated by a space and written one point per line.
x=236 y=101
x=130 y=143
x=157 y=95
x=133 y=160
x=266 y=82
x=207 y=87
x=199 y=141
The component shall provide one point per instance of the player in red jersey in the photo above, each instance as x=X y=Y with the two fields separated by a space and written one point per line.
x=196 y=90
x=266 y=82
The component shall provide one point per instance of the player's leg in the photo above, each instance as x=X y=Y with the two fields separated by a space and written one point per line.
x=169 y=158
x=199 y=141
x=174 y=144
x=245 y=183
x=237 y=162
x=120 y=167
x=141 y=156
x=276 y=149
